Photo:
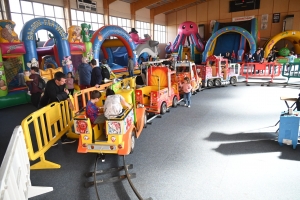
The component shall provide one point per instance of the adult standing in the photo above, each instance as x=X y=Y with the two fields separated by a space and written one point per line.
x=291 y=57
x=35 y=91
x=96 y=77
x=262 y=55
x=257 y=56
x=85 y=71
x=106 y=70
x=130 y=66
x=56 y=91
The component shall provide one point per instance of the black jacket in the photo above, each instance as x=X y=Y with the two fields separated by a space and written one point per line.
x=96 y=77
x=53 y=93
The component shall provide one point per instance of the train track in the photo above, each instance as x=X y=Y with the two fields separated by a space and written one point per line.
x=97 y=182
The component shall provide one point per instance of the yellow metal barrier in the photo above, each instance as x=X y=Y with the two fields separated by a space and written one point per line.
x=47 y=125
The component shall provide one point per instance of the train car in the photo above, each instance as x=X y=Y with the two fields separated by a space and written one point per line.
x=117 y=135
x=187 y=69
x=217 y=71
x=160 y=92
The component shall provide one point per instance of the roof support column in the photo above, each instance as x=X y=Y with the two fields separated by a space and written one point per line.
x=67 y=11
x=152 y=23
x=132 y=14
x=6 y=10
x=106 y=10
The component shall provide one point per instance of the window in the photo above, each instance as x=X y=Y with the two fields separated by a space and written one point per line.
x=160 y=33
x=79 y=17
x=122 y=22
x=23 y=11
x=143 y=28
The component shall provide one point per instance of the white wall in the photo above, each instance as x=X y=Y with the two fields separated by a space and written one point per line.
x=120 y=9
x=143 y=15
x=160 y=19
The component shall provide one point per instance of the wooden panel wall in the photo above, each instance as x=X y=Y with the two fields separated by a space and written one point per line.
x=219 y=10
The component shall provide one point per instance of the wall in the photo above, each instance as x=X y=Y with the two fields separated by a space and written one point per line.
x=219 y=10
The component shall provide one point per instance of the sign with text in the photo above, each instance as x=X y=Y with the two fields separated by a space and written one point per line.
x=276 y=17
x=245 y=18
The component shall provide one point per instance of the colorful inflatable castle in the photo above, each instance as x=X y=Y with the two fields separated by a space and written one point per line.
x=13 y=90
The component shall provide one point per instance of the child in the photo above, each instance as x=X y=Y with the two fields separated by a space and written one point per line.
x=70 y=83
x=233 y=57
x=27 y=79
x=91 y=109
x=187 y=88
x=33 y=82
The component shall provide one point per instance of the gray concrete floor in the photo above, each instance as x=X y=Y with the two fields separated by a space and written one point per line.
x=223 y=147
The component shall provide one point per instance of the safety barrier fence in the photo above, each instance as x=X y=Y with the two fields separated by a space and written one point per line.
x=261 y=70
x=291 y=70
x=45 y=127
x=15 y=181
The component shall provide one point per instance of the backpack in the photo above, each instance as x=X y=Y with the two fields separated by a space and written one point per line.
x=41 y=83
x=104 y=72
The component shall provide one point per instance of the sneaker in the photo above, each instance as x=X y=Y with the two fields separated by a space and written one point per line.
x=67 y=141
x=189 y=106
x=54 y=144
x=184 y=104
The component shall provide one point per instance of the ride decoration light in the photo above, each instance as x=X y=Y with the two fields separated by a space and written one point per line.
x=86 y=137
x=113 y=138
x=120 y=146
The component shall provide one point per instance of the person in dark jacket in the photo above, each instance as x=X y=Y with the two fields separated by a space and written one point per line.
x=35 y=91
x=84 y=71
x=96 y=77
x=56 y=91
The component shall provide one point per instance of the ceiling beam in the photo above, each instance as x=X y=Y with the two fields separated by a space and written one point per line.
x=142 y=4
x=171 y=6
x=106 y=10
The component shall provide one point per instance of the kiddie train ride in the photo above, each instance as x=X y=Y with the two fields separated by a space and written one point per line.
x=117 y=135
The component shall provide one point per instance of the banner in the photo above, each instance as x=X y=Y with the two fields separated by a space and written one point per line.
x=245 y=18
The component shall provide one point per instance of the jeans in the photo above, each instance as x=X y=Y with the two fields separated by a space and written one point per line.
x=187 y=98
x=130 y=73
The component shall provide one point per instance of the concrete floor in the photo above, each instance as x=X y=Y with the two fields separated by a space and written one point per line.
x=223 y=147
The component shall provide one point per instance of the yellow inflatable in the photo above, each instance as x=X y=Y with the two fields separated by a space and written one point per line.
x=293 y=36
x=74 y=34
x=8 y=35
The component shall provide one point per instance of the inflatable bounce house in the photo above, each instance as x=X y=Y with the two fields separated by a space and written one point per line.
x=61 y=48
x=12 y=84
x=144 y=47
x=115 y=51
x=238 y=37
x=101 y=41
x=292 y=36
x=186 y=31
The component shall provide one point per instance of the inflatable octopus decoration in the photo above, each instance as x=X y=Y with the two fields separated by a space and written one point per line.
x=186 y=29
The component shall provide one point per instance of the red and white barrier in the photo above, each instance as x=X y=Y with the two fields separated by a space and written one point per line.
x=15 y=181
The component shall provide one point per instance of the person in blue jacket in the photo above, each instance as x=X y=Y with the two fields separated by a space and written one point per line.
x=85 y=72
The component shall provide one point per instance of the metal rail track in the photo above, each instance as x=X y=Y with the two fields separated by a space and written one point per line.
x=97 y=182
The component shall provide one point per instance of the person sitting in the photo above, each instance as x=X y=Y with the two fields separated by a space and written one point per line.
x=113 y=104
x=92 y=111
